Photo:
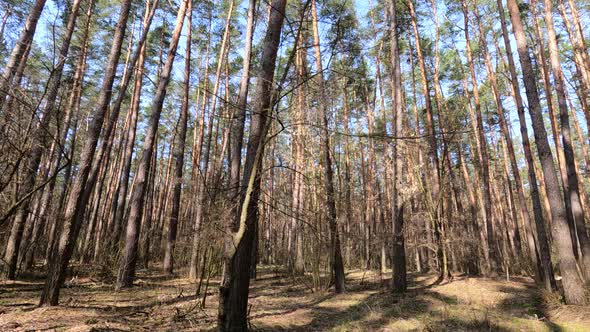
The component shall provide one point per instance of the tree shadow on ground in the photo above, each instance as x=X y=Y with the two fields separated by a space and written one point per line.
x=422 y=308
x=527 y=302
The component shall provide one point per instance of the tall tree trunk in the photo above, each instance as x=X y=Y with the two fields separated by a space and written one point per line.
x=572 y=175
x=398 y=255
x=336 y=256
x=234 y=287
x=298 y=184
x=126 y=273
x=539 y=52
x=179 y=150
x=237 y=137
x=543 y=266
x=75 y=208
x=572 y=284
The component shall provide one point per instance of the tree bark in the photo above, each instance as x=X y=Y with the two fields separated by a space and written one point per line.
x=543 y=266
x=234 y=286
x=127 y=265
x=572 y=284
x=75 y=208
x=179 y=151
x=398 y=256
x=572 y=176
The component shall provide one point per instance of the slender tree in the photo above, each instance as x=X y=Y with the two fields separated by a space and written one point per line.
x=572 y=284
x=128 y=262
x=76 y=205
x=336 y=255
x=179 y=149
x=234 y=287
x=398 y=256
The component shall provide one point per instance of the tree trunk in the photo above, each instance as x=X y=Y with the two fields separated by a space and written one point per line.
x=572 y=175
x=572 y=284
x=234 y=286
x=126 y=273
x=120 y=198
x=75 y=208
x=336 y=256
x=543 y=267
x=398 y=255
x=179 y=151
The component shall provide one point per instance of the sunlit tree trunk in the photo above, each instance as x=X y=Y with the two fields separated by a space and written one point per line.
x=127 y=265
x=572 y=175
x=572 y=284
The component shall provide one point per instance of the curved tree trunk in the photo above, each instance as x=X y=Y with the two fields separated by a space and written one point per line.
x=234 y=287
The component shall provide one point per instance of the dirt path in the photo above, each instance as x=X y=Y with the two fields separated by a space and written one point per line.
x=282 y=304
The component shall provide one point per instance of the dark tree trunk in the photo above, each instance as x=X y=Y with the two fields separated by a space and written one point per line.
x=179 y=152
x=398 y=255
x=234 y=288
x=336 y=255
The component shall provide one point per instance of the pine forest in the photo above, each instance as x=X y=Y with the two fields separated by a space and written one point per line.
x=300 y=165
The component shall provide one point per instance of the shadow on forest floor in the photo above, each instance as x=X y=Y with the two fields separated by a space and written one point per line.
x=282 y=303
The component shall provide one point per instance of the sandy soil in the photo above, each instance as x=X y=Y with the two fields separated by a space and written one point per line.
x=281 y=303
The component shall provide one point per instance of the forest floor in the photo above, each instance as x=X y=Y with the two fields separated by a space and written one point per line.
x=281 y=303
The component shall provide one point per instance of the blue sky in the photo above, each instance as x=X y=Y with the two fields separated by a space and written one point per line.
x=44 y=37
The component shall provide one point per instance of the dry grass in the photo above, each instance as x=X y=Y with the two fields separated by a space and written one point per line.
x=280 y=303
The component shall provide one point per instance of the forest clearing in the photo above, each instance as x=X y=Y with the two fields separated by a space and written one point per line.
x=282 y=303
x=296 y=165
